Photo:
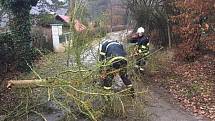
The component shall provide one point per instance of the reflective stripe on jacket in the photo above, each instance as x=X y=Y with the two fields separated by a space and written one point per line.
x=143 y=50
x=111 y=49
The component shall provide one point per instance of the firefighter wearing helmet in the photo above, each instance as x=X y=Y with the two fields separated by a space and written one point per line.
x=142 y=47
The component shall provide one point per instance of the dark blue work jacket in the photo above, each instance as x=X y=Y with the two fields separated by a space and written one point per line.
x=140 y=40
x=143 y=45
x=112 y=50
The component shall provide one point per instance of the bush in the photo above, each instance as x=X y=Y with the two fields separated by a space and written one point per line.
x=6 y=46
x=10 y=58
x=191 y=28
x=6 y=50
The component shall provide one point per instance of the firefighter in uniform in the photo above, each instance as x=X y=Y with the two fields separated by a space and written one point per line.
x=113 y=58
x=142 y=48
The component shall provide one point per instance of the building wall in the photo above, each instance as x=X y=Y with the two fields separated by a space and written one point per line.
x=42 y=37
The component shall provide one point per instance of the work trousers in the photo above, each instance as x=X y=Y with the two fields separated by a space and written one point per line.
x=117 y=66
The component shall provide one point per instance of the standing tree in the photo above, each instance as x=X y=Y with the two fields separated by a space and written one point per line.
x=189 y=17
x=20 y=27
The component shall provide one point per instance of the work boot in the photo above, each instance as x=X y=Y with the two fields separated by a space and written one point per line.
x=141 y=69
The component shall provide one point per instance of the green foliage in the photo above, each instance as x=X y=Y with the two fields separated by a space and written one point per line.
x=9 y=54
x=5 y=37
x=12 y=4
x=20 y=28
x=6 y=47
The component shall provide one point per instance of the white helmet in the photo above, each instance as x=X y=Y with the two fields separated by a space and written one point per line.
x=140 y=30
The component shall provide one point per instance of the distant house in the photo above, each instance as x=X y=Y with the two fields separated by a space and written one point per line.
x=44 y=26
x=62 y=18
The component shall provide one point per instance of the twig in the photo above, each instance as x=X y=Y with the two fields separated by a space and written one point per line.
x=59 y=103
x=34 y=71
x=26 y=106
x=123 y=107
x=21 y=112
x=149 y=54
x=49 y=94
x=15 y=109
x=39 y=115
x=90 y=114
x=73 y=71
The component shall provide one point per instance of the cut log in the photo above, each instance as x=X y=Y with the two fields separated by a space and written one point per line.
x=24 y=83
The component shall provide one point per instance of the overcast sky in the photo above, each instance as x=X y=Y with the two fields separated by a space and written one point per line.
x=50 y=2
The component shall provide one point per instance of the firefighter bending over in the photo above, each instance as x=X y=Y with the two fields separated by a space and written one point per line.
x=113 y=57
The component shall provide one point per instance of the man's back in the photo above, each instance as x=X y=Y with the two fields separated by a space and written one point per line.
x=113 y=49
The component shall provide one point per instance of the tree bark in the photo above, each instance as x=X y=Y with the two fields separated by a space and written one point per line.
x=111 y=17
x=169 y=35
x=24 y=83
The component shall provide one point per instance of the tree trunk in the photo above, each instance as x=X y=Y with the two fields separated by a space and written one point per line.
x=20 y=27
x=24 y=83
x=169 y=35
x=111 y=17
x=128 y=19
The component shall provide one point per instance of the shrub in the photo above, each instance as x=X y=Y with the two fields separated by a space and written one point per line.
x=6 y=52
x=189 y=26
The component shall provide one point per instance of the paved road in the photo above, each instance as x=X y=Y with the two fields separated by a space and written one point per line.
x=163 y=108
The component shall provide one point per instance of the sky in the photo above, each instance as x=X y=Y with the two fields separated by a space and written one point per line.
x=50 y=2
x=61 y=11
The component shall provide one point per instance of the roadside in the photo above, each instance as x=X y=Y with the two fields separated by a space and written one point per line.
x=190 y=84
x=163 y=107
